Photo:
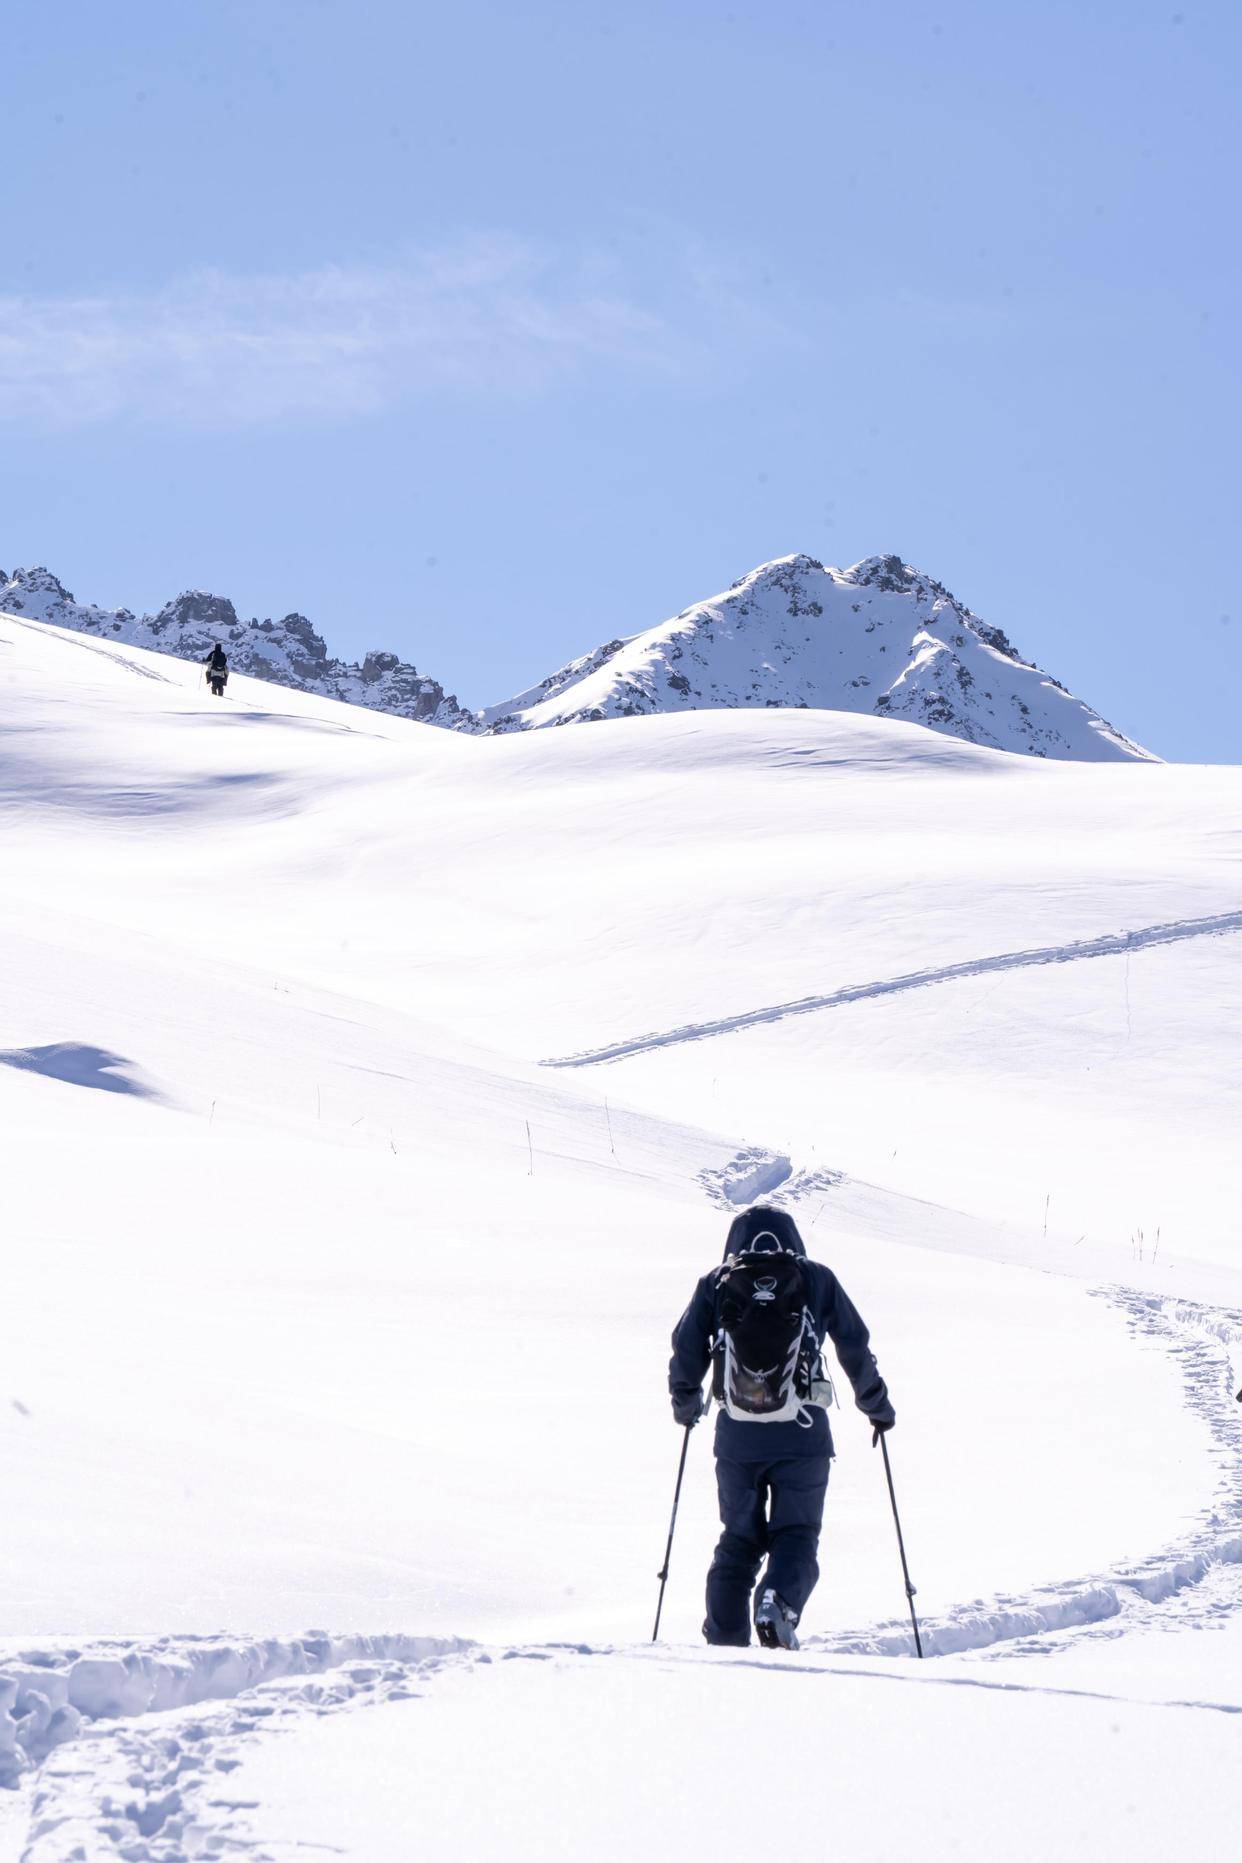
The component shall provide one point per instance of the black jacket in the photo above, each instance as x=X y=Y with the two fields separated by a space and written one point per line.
x=834 y=1316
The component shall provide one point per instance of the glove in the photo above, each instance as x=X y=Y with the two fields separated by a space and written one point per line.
x=882 y=1423
x=688 y=1410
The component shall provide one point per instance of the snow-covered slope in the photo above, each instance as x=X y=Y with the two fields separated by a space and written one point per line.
x=328 y=1302
x=288 y=651
x=878 y=638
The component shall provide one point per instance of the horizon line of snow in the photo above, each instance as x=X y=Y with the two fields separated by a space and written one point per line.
x=1109 y=944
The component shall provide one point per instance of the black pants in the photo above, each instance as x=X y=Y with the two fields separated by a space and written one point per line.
x=772 y=1508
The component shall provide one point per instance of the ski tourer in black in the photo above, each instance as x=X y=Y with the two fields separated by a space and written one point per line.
x=759 y=1321
x=217 y=664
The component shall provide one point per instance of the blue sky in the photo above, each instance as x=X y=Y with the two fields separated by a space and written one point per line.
x=486 y=332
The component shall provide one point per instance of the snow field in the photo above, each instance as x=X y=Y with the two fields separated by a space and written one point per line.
x=294 y=1301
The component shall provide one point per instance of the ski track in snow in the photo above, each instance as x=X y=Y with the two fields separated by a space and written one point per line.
x=1110 y=944
x=1191 y=1582
x=156 y=1790
x=756 y=1173
x=47 y=1696
x=139 y=670
x=133 y=1765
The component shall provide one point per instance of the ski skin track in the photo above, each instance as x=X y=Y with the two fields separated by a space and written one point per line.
x=1109 y=944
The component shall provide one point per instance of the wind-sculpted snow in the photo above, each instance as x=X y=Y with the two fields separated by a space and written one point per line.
x=1110 y=944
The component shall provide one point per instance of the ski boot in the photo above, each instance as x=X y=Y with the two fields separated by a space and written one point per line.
x=774 y=1622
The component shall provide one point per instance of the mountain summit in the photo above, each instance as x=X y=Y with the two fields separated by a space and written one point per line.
x=879 y=638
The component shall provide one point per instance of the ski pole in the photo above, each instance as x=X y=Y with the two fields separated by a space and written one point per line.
x=662 y=1574
x=901 y=1545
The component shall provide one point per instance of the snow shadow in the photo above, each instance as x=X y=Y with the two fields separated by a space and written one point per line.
x=119 y=801
x=81 y=1064
x=294 y=721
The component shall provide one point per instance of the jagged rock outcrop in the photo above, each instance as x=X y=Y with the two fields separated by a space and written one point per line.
x=288 y=651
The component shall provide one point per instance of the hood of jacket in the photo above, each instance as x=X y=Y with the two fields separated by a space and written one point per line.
x=764 y=1231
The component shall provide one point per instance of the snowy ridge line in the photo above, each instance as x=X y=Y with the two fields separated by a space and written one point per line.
x=1198 y=1580
x=1110 y=944
x=48 y=1695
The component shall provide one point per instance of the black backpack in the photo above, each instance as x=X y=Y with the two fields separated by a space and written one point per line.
x=765 y=1351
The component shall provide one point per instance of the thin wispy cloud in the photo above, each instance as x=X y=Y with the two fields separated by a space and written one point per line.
x=217 y=349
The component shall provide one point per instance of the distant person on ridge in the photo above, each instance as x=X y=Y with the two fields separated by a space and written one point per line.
x=217 y=664
x=760 y=1321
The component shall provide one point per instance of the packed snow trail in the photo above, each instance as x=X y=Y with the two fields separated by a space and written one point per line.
x=50 y=1695
x=1116 y=944
x=1196 y=1579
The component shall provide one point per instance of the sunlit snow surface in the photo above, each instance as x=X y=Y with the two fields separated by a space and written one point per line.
x=330 y=1303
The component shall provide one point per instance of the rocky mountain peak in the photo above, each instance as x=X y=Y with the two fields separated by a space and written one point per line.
x=26 y=584
x=781 y=572
x=879 y=637
x=197 y=614
x=887 y=573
